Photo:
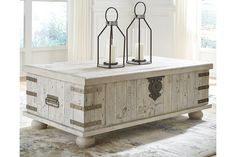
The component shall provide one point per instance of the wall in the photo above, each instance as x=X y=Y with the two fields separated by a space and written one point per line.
x=160 y=16
x=98 y=20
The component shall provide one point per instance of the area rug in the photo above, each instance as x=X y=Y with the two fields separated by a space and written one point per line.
x=174 y=137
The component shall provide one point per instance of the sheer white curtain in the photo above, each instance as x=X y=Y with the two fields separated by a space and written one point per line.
x=186 y=29
x=79 y=30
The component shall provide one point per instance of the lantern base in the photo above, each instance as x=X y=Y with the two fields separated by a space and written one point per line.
x=139 y=62
x=136 y=60
x=110 y=66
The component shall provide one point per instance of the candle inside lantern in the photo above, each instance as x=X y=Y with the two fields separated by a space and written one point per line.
x=141 y=51
x=113 y=52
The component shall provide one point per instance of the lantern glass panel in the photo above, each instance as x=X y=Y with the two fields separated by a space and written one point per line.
x=144 y=40
x=117 y=47
x=139 y=38
x=109 y=45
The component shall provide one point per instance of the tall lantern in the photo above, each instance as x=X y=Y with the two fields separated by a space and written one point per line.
x=141 y=41
x=111 y=49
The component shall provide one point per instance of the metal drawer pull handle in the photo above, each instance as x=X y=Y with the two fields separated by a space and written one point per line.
x=52 y=101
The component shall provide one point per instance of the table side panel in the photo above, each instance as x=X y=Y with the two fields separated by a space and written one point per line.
x=129 y=100
x=94 y=108
x=70 y=96
x=179 y=92
x=75 y=116
x=110 y=102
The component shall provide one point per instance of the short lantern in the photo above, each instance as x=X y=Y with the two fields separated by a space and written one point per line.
x=109 y=45
x=141 y=39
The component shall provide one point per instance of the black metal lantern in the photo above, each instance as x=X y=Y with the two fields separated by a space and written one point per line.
x=141 y=39
x=111 y=61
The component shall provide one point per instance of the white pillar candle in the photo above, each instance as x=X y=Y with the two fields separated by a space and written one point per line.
x=113 y=52
x=141 y=51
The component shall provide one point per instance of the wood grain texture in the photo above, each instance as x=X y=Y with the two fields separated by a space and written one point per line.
x=142 y=91
x=42 y=94
x=120 y=104
x=110 y=103
x=112 y=128
x=89 y=116
x=175 y=92
x=60 y=95
x=191 y=89
x=94 y=108
x=100 y=113
x=183 y=87
x=143 y=121
x=56 y=88
x=167 y=93
x=131 y=99
x=68 y=99
x=89 y=74
x=76 y=98
x=79 y=100
x=92 y=99
x=159 y=103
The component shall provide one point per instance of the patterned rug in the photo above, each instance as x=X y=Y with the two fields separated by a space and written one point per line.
x=174 y=137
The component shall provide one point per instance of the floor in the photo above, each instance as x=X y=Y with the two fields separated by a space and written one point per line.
x=165 y=138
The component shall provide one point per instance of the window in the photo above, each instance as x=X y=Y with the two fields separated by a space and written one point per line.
x=22 y=24
x=208 y=24
x=49 y=24
x=44 y=24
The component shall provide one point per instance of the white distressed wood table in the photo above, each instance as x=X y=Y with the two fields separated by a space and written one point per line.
x=86 y=101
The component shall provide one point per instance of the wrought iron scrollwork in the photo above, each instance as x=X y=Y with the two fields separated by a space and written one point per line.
x=155 y=86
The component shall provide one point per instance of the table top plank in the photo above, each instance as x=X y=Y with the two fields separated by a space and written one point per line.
x=93 y=75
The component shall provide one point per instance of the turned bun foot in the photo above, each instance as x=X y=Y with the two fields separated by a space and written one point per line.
x=196 y=115
x=38 y=125
x=85 y=142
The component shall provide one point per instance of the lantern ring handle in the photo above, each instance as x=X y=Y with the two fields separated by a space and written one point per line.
x=107 y=12
x=135 y=8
